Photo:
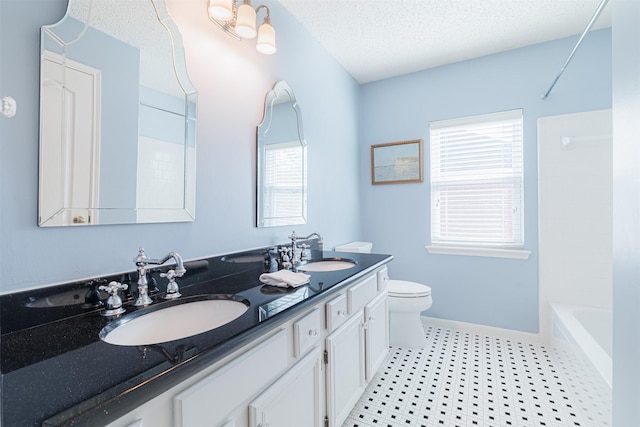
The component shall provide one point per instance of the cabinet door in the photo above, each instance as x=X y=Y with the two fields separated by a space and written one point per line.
x=345 y=369
x=295 y=399
x=209 y=401
x=376 y=315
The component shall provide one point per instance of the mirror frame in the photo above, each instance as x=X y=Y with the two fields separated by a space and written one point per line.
x=56 y=210
x=280 y=94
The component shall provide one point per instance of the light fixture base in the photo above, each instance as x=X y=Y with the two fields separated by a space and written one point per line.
x=266 y=34
x=228 y=26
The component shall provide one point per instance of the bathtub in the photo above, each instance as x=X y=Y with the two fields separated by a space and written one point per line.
x=588 y=331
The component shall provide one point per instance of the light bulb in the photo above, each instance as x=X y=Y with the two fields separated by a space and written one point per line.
x=266 y=39
x=221 y=9
x=246 y=21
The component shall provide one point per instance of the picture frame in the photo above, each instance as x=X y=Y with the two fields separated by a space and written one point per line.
x=396 y=162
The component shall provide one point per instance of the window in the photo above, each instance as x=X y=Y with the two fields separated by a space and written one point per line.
x=284 y=183
x=476 y=181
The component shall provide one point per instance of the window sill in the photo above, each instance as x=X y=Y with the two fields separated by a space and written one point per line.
x=485 y=252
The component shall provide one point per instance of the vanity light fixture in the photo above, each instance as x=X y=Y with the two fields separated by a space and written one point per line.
x=240 y=23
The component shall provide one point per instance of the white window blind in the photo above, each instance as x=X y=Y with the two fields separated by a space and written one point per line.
x=476 y=181
x=284 y=185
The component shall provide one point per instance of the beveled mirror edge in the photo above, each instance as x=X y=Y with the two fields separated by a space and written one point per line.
x=279 y=88
x=179 y=61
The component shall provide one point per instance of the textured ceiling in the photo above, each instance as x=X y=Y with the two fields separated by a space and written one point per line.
x=376 y=39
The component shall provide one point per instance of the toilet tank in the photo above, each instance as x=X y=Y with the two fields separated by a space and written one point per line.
x=361 y=247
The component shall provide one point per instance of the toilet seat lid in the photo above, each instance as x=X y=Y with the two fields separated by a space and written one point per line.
x=405 y=289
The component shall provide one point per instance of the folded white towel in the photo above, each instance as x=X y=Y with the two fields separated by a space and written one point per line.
x=285 y=278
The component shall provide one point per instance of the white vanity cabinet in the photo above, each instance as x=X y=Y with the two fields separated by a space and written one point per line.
x=308 y=371
x=218 y=396
x=357 y=348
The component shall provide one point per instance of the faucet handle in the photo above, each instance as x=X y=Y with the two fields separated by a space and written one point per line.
x=113 y=287
x=177 y=272
x=169 y=274
x=114 y=302
x=304 y=255
x=172 y=286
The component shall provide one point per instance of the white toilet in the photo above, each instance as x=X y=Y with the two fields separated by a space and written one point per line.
x=406 y=301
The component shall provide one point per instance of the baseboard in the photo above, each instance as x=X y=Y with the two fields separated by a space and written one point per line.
x=520 y=336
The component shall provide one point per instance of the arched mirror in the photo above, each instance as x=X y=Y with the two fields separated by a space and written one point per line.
x=117 y=117
x=282 y=161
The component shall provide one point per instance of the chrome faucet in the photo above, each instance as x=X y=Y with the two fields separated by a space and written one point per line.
x=142 y=262
x=316 y=235
x=294 y=238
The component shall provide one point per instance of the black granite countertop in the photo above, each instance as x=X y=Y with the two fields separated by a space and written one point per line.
x=55 y=370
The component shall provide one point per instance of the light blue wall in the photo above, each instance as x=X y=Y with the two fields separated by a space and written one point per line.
x=232 y=80
x=489 y=291
x=626 y=212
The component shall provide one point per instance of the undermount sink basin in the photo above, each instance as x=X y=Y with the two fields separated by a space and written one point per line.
x=328 y=264
x=181 y=319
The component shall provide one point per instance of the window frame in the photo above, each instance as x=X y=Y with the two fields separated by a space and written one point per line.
x=504 y=175
x=273 y=189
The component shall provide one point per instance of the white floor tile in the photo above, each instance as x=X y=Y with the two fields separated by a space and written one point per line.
x=466 y=379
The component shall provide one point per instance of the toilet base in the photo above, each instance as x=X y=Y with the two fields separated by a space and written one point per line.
x=405 y=330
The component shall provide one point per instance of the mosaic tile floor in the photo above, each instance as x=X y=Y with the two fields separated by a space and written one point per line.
x=467 y=379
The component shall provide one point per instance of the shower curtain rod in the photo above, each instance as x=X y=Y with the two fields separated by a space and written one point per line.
x=603 y=3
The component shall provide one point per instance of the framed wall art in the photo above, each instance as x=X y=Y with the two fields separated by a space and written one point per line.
x=396 y=162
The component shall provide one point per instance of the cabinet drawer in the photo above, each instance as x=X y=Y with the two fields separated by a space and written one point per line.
x=359 y=295
x=307 y=332
x=337 y=312
x=383 y=279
